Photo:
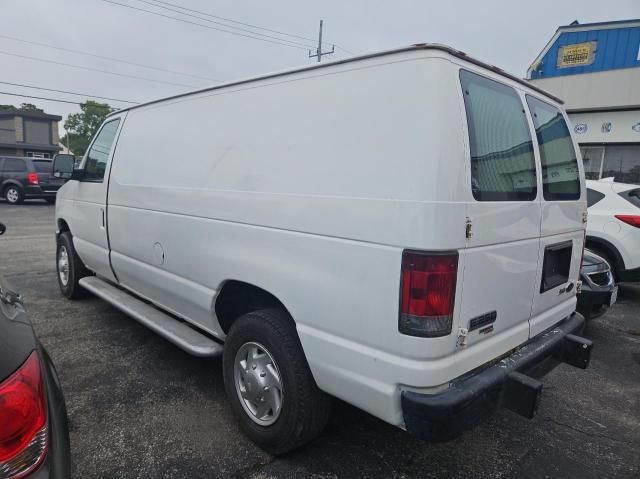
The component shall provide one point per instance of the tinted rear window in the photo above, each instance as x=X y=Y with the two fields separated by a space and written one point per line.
x=560 y=178
x=43 y=166
x=632 y=196
x=502 y=162
x=593 y=197
x=14 y=165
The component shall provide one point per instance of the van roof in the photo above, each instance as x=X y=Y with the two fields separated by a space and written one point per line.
x=418 y=46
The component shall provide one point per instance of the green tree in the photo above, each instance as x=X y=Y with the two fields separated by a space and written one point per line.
x=23 y=107
x=29 y=107
x=82 y=126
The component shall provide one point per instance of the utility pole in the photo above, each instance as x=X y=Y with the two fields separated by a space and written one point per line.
x=319 y=52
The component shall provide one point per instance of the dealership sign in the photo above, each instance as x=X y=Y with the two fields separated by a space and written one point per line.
x=578 y=54
x=636 y=127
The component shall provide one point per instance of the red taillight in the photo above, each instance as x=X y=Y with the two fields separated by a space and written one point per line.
x=427 y=293
x=32 y=178
x=23 y=420
x=633 y=220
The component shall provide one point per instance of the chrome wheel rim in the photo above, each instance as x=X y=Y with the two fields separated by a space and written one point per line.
x=258 y=383
x=12 y=195
x=63 y=265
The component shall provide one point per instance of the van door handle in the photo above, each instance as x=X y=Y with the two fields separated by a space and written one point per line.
x=102 y=211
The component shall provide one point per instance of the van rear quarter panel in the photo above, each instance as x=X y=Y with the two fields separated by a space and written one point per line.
x=308 y=186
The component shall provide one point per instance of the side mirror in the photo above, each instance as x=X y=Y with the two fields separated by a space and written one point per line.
x=63 y=165
x=77 y=174
x=3 y=228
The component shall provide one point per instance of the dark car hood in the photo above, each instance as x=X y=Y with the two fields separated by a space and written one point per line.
x=17 y=339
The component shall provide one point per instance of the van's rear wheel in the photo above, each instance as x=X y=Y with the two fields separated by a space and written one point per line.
x=70 y=268
x=269 y=384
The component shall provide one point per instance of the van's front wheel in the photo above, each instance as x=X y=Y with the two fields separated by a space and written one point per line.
x=269 y=384
x=70 y=268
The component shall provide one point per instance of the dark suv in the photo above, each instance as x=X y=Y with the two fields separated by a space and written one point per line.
x=22 y=178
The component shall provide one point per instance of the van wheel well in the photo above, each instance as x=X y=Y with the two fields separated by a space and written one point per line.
x=237 y=298
x=62 y=226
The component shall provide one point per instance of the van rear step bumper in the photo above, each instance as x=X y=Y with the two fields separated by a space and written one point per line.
x=511 y=383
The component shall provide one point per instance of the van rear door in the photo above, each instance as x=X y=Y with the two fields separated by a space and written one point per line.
x=504 y=212
x=563 y=217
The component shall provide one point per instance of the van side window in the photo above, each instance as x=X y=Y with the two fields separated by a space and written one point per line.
x=14 y=165
x=503 y=166
x=560 y=180
x=98 y=155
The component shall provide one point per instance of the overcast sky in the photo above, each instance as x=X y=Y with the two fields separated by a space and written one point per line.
x=506 y=33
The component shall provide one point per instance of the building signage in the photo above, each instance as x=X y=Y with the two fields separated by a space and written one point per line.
x=580 y=128
x=578 y=54
x=636 y=127
x=606 y=127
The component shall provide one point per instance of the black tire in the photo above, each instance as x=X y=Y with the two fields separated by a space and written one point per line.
x=51 y=201
x=305 y=408
x=76 y=269
x=13 y=194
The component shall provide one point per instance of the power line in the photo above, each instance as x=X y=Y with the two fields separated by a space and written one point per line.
x=93 y=69
x=245 y=24
x=68 y=92
x=40 y=98
x=236 y=21
x=224 y=24
x=205 y=26
x=108 y=58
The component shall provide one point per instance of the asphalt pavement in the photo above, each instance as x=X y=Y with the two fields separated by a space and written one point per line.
x=141 y=408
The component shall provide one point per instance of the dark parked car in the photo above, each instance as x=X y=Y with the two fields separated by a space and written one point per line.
x=34 y=437
x=22 y=178
x=599 y=290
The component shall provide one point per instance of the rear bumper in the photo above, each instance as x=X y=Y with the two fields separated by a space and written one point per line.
x=589 y=299
x=510 y=383
x=630 y=275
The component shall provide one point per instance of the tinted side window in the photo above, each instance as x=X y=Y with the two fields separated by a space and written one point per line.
x=560 y=179
x=98 y=155
x=43 y=166
x=502 y=161
x=593 y=197
x=14 y=165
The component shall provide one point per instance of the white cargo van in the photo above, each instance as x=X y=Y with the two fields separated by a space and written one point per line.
x=401 y=230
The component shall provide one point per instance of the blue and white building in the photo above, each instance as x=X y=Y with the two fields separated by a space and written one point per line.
x=595 y=69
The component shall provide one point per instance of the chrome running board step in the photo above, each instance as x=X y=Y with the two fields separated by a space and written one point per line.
x=173 y=330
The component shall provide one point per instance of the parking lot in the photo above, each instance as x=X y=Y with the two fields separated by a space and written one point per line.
x=140 y=407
